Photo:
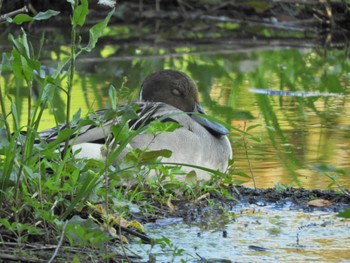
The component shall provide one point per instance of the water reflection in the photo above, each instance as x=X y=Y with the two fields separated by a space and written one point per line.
x=258 y=234
x=292 y=131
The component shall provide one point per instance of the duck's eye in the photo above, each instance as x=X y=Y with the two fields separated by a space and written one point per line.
x=176 y=92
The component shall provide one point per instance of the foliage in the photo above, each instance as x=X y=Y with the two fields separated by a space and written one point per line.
x=40 y=185
x=333 y=174
x=43 y=187
x=43 y=193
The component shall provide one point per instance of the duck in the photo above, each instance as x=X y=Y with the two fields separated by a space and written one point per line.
x=198 y=143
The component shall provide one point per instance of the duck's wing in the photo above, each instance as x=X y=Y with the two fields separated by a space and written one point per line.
x=97 y=126
x=213 y=127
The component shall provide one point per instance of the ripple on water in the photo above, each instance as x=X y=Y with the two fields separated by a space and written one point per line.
x=282 y=235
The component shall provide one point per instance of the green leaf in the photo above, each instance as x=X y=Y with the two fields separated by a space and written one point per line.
x=76 y=117
x=120 y=131
x=62 y=136
x=152 y=156
x=46 y=15
x=96 y=32
x=15 y=115
x=21 y=18
x=88 y=183
x=27 y=70
x=22 y=64
x=5 y=223
x=16 y=64
x=157 y=126
x=80 y=13
x=345 y=213
x=112 y=96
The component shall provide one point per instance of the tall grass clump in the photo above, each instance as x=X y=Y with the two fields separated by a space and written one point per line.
x=47 y=196
x=42 y=185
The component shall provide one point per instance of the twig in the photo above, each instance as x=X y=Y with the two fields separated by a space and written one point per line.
x=59 y=243
x=13 y=13
x=19 y=258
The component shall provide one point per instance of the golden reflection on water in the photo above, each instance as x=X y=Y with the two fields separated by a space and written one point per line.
x=312 y=140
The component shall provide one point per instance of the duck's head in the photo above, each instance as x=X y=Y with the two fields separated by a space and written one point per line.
x=171 y=87
x=177 y=89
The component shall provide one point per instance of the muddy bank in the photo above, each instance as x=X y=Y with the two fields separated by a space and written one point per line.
x=211 y=204
x=209 y=211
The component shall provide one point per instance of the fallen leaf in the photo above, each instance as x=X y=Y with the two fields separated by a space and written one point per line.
x=170 y=205
x=319 y=203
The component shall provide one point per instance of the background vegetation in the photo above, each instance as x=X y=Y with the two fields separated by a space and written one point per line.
x=44 y=194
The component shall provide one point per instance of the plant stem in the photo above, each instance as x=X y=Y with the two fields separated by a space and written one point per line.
x=70 y=76
x=71 y=73
x=246 y=153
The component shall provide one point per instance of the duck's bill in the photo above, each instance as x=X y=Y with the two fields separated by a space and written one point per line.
x=212 y=126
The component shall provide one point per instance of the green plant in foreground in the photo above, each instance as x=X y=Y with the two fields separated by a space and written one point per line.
x=44 y=189
x=39 y=186
x=333 y=174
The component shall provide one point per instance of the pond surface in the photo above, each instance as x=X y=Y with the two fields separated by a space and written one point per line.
x=257 y=234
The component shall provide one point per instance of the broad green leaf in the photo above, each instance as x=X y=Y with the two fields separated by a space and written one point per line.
x=120 y=131
x=96 y=31
x=16 y=64
x=26 y=69
x=22 y=64
x=76 y=117
x=112 y=96
x=156 y=127
x=21 y=18
x=151 y=156
x=80 y=13
x=24 y=42
x=62 y=136
x=17 y=45
x=15 y=115
x=5 y=223
x=46 y=15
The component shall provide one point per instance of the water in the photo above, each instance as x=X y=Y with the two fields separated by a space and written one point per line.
x=258 y=234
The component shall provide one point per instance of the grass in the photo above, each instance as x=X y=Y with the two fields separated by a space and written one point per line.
x=50 y=197
x=41 y=186
x=51 y=200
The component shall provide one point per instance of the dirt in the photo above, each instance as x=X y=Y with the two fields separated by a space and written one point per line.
x=208 y=211
x=213 y=205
